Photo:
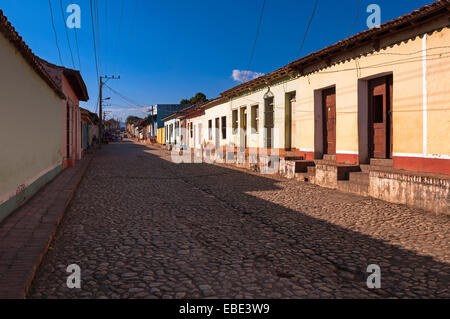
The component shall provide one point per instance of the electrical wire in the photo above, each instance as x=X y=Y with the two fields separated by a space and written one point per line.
x=356 y=18
x=99 y=46
x=126 y=99
x=307 y=28
x=78 y=49
x=95 y=53
x=54 y=30
x=256 y=40
x=67 y=32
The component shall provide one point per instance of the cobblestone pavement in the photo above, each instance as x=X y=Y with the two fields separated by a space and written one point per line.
x=143 y=227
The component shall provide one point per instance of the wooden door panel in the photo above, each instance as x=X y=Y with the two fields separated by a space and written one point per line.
x=329 y=111
x=378 y=118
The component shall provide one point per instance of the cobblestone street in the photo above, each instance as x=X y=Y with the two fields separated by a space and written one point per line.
x=140 y=226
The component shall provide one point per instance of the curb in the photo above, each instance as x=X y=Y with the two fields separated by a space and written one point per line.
x=55 y=230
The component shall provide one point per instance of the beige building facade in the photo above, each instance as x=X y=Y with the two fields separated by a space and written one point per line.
x=369 y=114
x=30 y=122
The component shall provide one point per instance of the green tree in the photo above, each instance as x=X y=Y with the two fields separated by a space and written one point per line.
x=131 y=119
x=199 y=97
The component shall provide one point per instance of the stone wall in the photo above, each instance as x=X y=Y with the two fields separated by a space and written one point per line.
x=430 y=192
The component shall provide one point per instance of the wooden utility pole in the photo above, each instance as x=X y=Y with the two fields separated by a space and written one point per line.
x=100 y=109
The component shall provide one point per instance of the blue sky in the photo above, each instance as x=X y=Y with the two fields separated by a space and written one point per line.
x=168 y=50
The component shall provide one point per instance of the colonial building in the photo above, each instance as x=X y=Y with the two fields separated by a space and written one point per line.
x=369 y=114
x=31 y=127
x=72 y=85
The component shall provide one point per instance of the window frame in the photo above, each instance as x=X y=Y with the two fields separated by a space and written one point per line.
x=235 y=121
x=210 y=130
x=255 y=118
x=223 y=123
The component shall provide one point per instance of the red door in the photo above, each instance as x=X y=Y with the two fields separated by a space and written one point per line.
x=329 y=112
x=380 y=128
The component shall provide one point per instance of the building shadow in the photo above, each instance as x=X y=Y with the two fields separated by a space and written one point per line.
x=290 y=237
x=238 y=230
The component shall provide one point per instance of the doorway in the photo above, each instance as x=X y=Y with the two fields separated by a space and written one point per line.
x=380 y=117
x=217 y=136
x=289 y=106
x=269 y=120
x=244 y=127
x=329 y=121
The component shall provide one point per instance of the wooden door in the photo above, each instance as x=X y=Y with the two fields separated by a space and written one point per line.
x=329 y=117
x=380 y=128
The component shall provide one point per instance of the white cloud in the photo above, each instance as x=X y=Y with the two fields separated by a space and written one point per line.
x=244 y=76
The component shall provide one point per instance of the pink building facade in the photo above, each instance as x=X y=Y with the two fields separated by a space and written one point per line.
x=72 y=85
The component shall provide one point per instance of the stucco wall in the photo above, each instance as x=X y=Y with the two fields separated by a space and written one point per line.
x=280 y=91
x=420 y=67
x=212 y=113
x=438 y=82
x=30 y=125
x=196 y=141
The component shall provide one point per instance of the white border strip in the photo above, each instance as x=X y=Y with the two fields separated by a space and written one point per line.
x=435 y=156
x=425 y=94
x=348 y=152
x=306 y=150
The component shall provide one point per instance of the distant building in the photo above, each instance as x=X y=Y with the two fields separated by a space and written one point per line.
x=157 y=113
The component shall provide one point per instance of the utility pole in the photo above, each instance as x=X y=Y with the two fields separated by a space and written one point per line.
x=100 y=109
x=153 y=121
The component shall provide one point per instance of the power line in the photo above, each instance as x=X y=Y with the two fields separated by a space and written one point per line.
x=95 y=50
x=107 y=54
x=307 y=28
x=99 y=46
x=356 y=18
x=256 y=40
x=54 y=30
x=67 y=33
x=78 y=49
x=123 y=97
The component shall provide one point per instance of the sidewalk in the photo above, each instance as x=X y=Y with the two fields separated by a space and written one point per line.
x=27 y=233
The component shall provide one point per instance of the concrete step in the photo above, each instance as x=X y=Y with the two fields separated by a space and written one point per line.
x=365 y=168
x=382 y=162
x=301 y=166
x=294 y=158
x=354 y=188
x=311 y=170
x=359 y=177
x=331 y=158
x=343 y=171
x=324 y=162
x=304 y=177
